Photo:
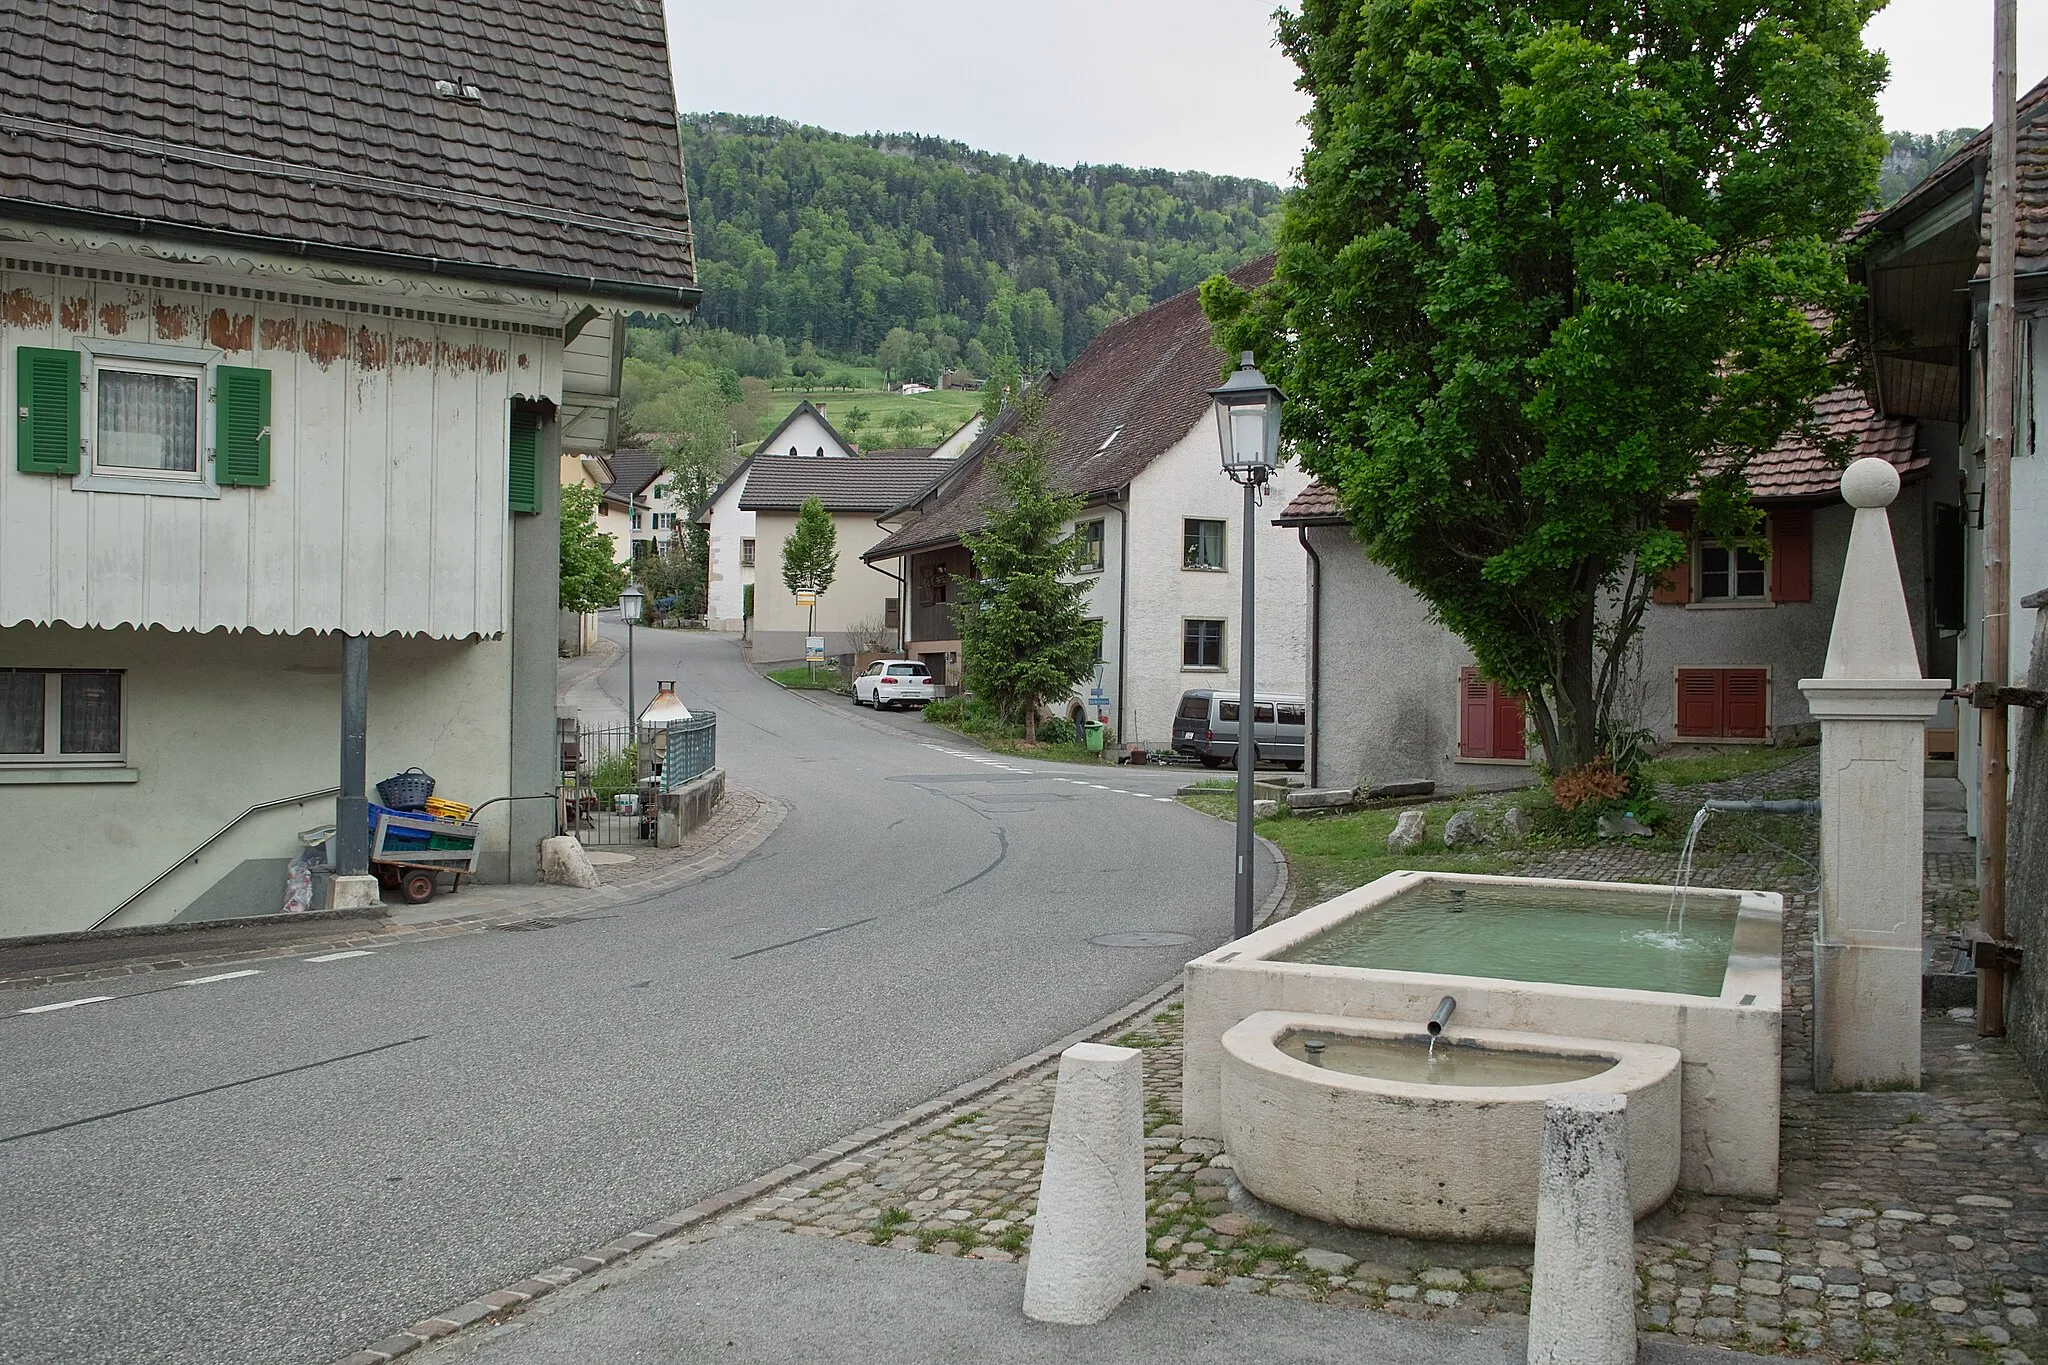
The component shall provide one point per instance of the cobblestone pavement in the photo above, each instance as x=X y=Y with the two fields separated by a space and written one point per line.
x=741 y=822
x=1909 y=1226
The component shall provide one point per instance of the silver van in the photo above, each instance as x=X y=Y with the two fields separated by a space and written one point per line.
x=1205 y=725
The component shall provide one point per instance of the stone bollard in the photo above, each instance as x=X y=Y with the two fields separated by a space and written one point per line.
x=1088 y=1241
x=1582 y=1297
x=564 y=863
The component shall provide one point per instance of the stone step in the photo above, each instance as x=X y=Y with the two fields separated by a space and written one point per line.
x=1951 y=843
x=1946 y=822
x=1941 y=767
x=1946 y=796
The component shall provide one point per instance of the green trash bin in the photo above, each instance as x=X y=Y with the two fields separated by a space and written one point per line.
x=1096 y=733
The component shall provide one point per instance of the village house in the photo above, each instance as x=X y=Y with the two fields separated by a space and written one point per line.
x=1395 y=697
x=289 y=379
x=1163 y=526
x=1923 y=262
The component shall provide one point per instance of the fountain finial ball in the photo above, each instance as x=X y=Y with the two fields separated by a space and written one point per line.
x=1870 y=482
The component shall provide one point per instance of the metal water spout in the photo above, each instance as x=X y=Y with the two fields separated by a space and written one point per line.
x=1766 y=807
x=1442 y=1016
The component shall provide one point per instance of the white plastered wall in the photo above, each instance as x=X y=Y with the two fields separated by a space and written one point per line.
x=858 y=593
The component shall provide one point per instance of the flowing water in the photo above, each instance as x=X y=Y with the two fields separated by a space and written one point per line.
x=1678 y=893
x=1400 y=1059
x=1513 y=932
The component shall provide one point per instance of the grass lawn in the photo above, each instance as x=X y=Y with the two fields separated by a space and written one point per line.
x=942 y=411
x=804 y=679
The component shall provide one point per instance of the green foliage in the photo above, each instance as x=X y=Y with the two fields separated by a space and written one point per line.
x=803 y=234
x=1024 y=632
x=1722 y=765
x=1001 y=388
x=946 y=711
x=679 y=573
x=1911 y=156
x=1550 y=268
x=614 y=773
x=810 y=557
x=590 y=581
x=746 y=601
x=1058 y=730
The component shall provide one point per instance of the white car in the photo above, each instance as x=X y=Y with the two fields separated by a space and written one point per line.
x=894 y=682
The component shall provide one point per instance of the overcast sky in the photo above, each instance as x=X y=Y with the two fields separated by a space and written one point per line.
x=1184 y=84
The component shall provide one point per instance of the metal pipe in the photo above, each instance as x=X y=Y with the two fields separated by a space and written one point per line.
x=1999 y=344
x=352 y=806
x=1312 y=747
x=1247 y=721
x=209 y=841
x=1123 y=612
x=1442 y=1016
x=1766 y=807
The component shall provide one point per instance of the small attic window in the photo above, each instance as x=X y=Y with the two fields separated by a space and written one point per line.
x=1109 y=440
x=453 y=90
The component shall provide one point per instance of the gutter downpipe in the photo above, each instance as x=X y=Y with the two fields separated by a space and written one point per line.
x=902 y=602
x=1123 y=607
x=1315 y=656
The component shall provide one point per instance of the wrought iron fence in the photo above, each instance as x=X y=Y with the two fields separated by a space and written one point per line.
x=692 y=749
x=604 y=801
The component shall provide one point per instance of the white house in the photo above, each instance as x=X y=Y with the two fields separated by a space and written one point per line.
x=288 y=388
x=1138 y=445
x=731 y=528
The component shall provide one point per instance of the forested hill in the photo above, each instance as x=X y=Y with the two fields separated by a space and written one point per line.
x=804 y=234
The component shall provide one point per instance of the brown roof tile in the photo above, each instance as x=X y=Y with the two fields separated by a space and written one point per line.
x=1313 y=506
x=1136 y=389
x=318 y=126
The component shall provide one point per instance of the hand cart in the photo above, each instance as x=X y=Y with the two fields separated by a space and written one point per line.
x=409 y=851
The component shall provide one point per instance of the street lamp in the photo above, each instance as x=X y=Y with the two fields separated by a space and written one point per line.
x=631 y=600
x=1248 y=432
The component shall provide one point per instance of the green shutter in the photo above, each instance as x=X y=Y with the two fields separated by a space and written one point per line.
x=241 y=426
x=46 y=392
x=522 y=484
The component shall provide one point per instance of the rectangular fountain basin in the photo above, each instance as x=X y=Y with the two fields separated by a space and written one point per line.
x=1374 y=1131
x=1535 y=955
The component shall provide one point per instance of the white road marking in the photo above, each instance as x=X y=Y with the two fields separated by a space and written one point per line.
x=1167 y=799
x=224 y=976
x=336 y=957
x=65 y=1004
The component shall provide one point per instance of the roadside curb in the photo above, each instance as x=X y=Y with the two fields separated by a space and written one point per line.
x=673 y=876
x=504 y=1302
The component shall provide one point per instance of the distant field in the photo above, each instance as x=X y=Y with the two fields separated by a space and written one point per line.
x=942 y=412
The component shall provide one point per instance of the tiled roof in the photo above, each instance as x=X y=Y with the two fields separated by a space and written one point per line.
x=316 y=126
x=2031 y=153
x=872 y=483
x=1792 y=469
x=1314 y=505
x=1136 y=390
x=633 y=469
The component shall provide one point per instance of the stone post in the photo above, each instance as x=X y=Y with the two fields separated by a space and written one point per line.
x=1582 y=1296
x=1873 y=706
x=1088 y=1241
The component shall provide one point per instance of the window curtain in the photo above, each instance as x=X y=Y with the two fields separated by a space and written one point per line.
x=148 y=421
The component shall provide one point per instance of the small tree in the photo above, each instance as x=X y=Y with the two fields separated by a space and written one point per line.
x=590 y=580
x=1024 y=632
x=810 y=557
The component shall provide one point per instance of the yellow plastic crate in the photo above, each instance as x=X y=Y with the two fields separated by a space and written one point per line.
x=448 y=810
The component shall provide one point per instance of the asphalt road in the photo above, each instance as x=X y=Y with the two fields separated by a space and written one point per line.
x=284 y=1165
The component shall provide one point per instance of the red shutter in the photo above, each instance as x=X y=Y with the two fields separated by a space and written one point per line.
x=1792 y=555
x=1475 y=715
x=1699 y=702
x=1746 y=706
x=1674 y=589
x=1510 y=726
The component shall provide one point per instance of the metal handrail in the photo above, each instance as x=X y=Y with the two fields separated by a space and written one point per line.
x=209 y=842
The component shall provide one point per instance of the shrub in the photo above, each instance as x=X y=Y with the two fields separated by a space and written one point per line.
x=946 y=711
x=614 y=773
x=1057 y=730
x=1593 y=784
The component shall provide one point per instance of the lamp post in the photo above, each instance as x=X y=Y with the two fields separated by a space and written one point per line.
x=1248 y=429
x=631 y=600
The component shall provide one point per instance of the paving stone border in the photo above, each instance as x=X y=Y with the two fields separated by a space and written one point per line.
x=742 y=823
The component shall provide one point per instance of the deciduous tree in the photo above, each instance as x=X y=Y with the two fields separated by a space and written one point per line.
x=810 y=557
x=1553 y=265
x=590 y=581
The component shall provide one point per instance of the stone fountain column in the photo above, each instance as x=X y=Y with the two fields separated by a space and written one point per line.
x=1873 y=706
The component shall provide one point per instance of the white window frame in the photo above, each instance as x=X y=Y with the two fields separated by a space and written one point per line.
x=1699 y=559
x=1222 y=546
x=200 y=362
x=53 y=755
x=747 y=552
